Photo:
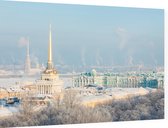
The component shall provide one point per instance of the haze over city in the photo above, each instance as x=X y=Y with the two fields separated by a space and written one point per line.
x=82 y=35
x=71 y=64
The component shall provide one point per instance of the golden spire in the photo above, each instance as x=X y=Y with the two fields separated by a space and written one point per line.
x=49 y=64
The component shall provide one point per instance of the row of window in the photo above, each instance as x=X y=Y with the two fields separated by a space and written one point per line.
x=45 y=89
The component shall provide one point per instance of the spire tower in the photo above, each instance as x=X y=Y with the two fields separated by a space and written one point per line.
x=49 y=63
x=27 y=63
x=27 y=48
x=49 y=83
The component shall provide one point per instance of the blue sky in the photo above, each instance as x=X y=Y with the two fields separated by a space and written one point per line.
x=82 y=35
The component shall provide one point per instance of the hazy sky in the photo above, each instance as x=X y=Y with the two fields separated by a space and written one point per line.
x=82 y=35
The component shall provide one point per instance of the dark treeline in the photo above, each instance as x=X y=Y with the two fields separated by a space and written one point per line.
x=69 y=111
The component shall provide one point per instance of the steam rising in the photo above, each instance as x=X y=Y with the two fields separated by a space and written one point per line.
x=123 y=37
x=23 y=41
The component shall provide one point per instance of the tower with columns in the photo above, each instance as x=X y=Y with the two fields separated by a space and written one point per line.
x=49 y=82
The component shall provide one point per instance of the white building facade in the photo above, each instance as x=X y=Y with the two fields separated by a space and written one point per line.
x=118 y=80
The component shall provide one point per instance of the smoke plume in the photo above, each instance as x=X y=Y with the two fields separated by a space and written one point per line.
x=23 y=41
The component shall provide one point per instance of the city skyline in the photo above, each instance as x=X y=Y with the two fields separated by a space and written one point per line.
x=82 y=35
x=77 y=64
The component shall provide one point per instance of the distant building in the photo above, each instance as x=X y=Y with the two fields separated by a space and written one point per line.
x=160 y=83
x=118 y=80
x=49 y=83
x=11 y=92
x=3 y=93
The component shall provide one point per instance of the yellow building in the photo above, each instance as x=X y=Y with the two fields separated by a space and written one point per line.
x=3 y=93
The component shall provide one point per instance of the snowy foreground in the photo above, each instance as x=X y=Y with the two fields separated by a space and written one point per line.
x=90 y=100
x=114 y=94
x=89 y=96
